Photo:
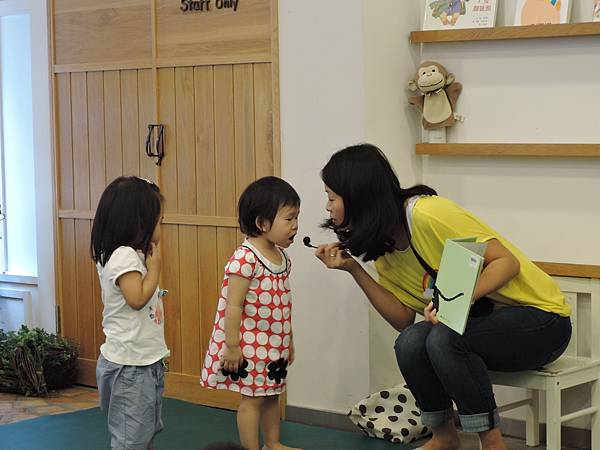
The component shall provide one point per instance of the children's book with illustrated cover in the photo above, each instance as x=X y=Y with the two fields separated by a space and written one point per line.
x=596 y=11
x=538 y=12
x=450 y=14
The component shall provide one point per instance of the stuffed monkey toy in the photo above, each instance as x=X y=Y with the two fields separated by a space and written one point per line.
x=438 y=95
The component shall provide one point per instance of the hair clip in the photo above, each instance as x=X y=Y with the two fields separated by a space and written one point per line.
x=146 y=180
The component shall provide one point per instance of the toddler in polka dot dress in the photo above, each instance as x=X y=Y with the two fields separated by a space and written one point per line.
x=252 y=344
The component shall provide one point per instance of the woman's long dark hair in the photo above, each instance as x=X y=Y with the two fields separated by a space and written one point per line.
x=127 y=213
x=373 y=199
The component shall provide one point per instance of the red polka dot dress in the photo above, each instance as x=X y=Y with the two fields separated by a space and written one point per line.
x=265 y=330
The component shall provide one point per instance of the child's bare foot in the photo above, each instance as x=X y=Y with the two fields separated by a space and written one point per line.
x=279 y=446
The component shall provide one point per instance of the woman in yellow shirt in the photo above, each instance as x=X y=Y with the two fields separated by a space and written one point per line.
x=519 y=319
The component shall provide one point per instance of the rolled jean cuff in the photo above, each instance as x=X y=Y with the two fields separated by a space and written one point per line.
x=476 y=423
x=434 y=419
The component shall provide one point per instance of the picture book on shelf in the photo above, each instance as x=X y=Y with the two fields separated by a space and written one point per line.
x=596 y=11
x=450 y=14
x=537 y=12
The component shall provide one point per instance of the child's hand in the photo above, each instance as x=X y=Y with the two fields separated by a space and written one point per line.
x=153 y=259
x=430 y=314
x=232 y=358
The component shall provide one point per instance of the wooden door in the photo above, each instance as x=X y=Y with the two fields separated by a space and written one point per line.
x=220 y=134
x=100 y=125
x=221 y=141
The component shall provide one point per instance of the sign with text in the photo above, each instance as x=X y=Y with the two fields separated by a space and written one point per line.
x=208 y=5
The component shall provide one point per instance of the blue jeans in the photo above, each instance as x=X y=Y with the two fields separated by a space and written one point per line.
x=440 y=366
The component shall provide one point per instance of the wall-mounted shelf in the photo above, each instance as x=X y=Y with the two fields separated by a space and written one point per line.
x=553 y=150
x=569 y=270
x=504 y=33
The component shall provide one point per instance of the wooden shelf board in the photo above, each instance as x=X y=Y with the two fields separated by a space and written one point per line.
x=569 y=270
x=552 y=150
x=504 y=33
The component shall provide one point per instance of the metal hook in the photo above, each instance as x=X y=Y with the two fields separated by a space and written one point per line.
x=159 y=145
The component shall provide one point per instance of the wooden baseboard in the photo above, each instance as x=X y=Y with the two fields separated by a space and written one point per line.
x=187 y=387
x=86 y=372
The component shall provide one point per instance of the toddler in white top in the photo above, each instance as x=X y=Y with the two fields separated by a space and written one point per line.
x=130 y=370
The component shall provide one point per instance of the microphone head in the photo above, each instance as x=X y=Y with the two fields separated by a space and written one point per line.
x=306 y=241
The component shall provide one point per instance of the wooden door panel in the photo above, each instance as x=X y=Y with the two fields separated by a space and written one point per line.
x=146 y=116
x=215 y=36
x=84 y=295
x=81 y=160
x=208 y=283
x=243 y=101
x=64 y=145
x=102 y=32
x=130 y=122
x=263 y=123
x=170 y=280
x=211 y=83
x=190 y=300
x=92 y=111
x=205 y=141
x=186 y=149
x=224 y=141
x=168 y=169
x=68 y=297
x=113 y=124
x=95 y=104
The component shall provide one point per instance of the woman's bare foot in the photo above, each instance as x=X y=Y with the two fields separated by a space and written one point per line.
x=444 y=438
x=492 y=440
x=279 y=446
x=441 y=444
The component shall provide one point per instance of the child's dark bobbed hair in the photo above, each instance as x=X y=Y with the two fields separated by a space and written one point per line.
x=373 y=199
x=261 y=200
x=127 y=213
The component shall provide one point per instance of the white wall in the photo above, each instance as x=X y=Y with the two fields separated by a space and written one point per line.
x=44 y=312
x=322 y=110
x=537 y=91
x=389 y=61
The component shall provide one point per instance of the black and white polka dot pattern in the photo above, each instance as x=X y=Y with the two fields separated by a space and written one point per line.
x=391 y=414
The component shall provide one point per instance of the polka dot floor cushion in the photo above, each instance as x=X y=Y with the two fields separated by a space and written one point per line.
x=391 y=414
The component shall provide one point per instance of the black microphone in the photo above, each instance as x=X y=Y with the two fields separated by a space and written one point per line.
x=306 y=242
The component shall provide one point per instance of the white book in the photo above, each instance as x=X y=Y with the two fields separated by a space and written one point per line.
x=596 y=11
x=460 y=266
x=451 y=14
x=537 y=12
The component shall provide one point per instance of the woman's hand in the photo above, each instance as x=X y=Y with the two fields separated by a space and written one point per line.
x=232 y=358
x=335 y=257
x=430 y=314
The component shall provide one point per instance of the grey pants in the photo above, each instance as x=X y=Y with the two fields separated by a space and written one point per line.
x=131 y=397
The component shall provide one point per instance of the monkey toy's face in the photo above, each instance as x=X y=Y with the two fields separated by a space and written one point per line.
x=430 y=78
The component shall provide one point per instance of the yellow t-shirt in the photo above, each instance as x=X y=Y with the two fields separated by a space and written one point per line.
x=435 y=219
